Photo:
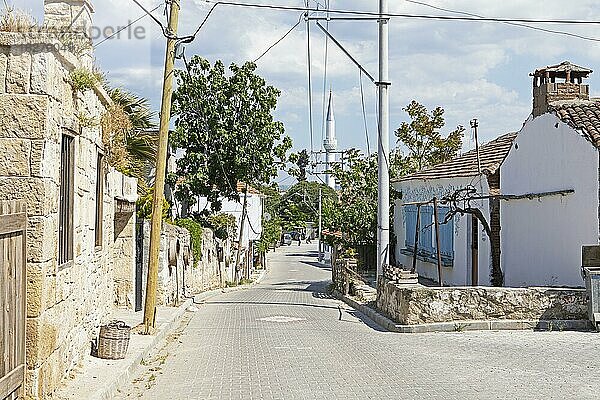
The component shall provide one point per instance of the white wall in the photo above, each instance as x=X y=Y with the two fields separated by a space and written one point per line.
x=460 y=272
x=542 y=238
x=253 y=229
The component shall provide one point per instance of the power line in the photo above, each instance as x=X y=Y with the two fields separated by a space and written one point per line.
x=279 y=40
x=164 y=29
x=362 y=99
x=555 y=32
x=404 y=15
x=126 y=27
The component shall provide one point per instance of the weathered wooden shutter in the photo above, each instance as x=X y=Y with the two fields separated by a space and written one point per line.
x=425 y=242
x=446 y=235
x=410 y=215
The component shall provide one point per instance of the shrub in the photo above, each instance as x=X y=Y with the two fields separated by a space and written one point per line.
x=83 y=79
x=15 y=20
x=195 y=230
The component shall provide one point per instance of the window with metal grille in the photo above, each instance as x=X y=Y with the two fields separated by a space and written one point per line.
x=65 y=227
x=99 y=199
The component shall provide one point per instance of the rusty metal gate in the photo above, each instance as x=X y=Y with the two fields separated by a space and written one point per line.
x=13 y=259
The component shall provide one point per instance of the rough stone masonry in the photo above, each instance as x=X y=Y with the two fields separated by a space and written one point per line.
x=65 y=303
x=416 y=304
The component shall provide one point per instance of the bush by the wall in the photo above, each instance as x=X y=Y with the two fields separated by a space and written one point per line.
x=195 y=230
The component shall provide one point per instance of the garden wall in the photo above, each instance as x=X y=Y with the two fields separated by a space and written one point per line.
x=416 y=304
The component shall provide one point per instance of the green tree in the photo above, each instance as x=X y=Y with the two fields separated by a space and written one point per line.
x=301 y=161
x=271 y=223
x=355 y=212
x=426 y=145
x=300 y=204
x=225 y=126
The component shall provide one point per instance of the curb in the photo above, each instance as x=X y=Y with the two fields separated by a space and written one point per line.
x=469 y=325
x=125 y=374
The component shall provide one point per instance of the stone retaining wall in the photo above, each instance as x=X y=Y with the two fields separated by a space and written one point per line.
x=416 y=304
x=65 y=303
x=183 y=278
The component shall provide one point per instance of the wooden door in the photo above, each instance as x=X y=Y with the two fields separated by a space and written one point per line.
x=13 y=259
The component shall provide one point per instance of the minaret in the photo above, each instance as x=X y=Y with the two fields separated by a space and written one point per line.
x=330 y=143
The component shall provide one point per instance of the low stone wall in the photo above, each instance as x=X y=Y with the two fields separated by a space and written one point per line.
x=416 y=304
x=184 y=277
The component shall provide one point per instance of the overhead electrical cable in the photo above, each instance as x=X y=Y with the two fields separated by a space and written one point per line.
x=127 y=26
x=404 y=15
x=469 y=17
x=362 y=99
x=537 y=28
x=279 y=40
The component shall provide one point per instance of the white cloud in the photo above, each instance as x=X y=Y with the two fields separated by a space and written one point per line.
x=471 y=69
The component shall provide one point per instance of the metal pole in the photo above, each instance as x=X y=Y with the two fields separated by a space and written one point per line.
x=475 y=125
x=437 y=240
x=320 y=223
x=309 y=69
x=161 y=166
x=383 y=209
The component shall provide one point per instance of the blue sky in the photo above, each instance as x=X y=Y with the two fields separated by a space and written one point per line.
x=471 y=69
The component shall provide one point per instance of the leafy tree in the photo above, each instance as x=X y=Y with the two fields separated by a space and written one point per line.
x=271 y=223
x=422 y=137
x=224 y=225
x=355 y=213
x=300 y=204
x=224 y=123
x=302 y=160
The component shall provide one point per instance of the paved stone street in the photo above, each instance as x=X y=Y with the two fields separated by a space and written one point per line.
x=283 y=339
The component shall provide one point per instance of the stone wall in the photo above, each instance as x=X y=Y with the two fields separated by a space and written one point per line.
x=180 y=279
x=416 y=304
x=65 y=303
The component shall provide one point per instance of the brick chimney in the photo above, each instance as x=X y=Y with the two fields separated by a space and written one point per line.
x=558 y=82
x=68 y=16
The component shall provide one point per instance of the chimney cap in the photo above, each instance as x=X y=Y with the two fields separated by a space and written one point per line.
x=561 y=70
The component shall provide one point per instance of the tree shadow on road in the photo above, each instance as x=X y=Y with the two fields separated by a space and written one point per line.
x=314 y=254
x=362 y=318
x=317 y=264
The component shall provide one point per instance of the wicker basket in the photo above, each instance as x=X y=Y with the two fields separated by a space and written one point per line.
x=114 y=340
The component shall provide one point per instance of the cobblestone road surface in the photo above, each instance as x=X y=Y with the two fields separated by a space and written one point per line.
x=283 y=339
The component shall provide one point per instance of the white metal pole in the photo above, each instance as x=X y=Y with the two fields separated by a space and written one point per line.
x=320 y=223
x=383 y=209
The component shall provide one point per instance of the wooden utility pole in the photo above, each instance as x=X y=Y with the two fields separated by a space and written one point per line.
x=161 y=166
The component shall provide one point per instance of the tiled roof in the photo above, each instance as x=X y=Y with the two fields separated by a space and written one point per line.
x=563 y=67
x=491 y=154
x=241 y=186
x=581 y=115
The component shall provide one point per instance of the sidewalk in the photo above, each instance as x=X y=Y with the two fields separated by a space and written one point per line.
x=98 y=379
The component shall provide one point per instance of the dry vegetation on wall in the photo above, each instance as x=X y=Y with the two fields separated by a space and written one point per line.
x=15 y=20
x=115 y=125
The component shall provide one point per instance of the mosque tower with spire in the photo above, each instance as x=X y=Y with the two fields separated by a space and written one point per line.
x=330 y=143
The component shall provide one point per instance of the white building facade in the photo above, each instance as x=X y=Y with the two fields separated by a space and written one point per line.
x=540 y=195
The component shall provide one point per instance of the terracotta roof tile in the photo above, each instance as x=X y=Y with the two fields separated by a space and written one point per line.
x=491 y=154
x=581 y=115
x=241 y=185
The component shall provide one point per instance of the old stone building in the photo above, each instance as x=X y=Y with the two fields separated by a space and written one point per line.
x=79 y=209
